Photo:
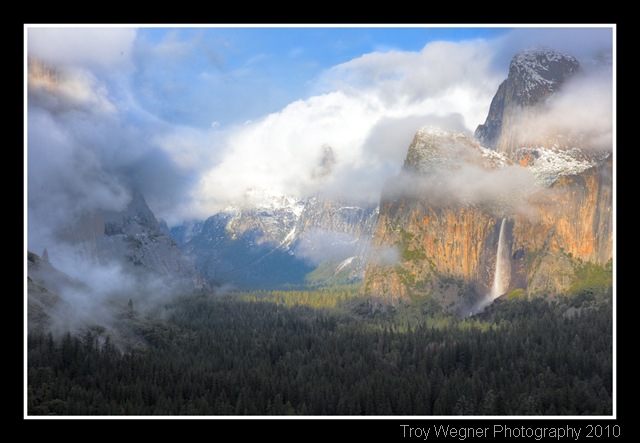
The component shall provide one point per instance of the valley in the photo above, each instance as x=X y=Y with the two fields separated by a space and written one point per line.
x=481 y=281
x=324 y=353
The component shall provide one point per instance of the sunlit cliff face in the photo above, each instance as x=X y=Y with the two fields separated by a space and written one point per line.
x=446 y=227
x=550 y=100
x=550 y=177
x=41 y=75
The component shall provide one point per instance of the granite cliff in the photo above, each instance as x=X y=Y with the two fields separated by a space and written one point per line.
x=135 y=242
x=280 y=241
x=534 y=77
x=472 y=218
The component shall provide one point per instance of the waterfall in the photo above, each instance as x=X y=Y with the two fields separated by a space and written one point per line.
x=502 y=275
x=503 y=267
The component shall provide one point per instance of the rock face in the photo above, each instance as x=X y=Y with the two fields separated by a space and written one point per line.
x=135 y=240
x=279 y=241
x=91 y=232
x=249 y=247
x=334 y=237
x=115 y=267
x=135 y=235
x=571 y=218
x=534 y=76
x=444 y=235
x=45 y=307
x=443 y=215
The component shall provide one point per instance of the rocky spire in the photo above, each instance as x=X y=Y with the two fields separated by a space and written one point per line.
x=534 y=76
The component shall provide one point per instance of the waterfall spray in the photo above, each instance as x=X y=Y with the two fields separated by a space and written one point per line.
x=502 y=274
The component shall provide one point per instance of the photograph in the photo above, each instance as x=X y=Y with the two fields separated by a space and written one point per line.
x=397 y=222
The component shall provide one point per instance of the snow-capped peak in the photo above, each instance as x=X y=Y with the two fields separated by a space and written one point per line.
x=541 y=69
x=255 y=198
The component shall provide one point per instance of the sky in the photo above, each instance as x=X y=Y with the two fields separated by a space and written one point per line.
x=194 y=117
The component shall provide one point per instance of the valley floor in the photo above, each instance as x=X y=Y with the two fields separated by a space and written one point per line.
x=318 y=353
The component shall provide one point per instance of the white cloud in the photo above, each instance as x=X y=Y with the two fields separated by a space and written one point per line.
x=443 y=78
x=189 y=148
x=582 y=110
x=99 y=47
x=366 y=109
x=371 y=98
x=583 y=42
x=113 y=127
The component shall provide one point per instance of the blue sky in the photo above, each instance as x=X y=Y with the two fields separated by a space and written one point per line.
x=279 y=64
x=194 y=117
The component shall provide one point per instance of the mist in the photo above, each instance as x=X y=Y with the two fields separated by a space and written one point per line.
x=321 y=245
x=367 y=111
x=89 y=148
x=109 y=116
x=91 y=293
x=500 y=191
x=581 y=113
x=120 y=113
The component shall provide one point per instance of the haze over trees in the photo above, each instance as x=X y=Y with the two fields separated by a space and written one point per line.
x=325 y=353
x=478 y=280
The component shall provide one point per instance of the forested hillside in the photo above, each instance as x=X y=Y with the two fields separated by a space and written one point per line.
x=326 y=353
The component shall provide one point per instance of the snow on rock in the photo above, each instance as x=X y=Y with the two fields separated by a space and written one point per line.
x=540 y=71
x=493 y=157
x=549 y=164
x=344 y=263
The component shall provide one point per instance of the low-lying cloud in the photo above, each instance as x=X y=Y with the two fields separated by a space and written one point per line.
x=501 y=191
x=95 y=136
x=321 y=245
x=89 y=146
x=366 y=110
x=580 y=115
x=101 y=48
x=375 y=105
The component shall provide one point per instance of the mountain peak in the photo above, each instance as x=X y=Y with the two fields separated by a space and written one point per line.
x=535 y=75
x=137 y=218
x=265 y=199
x=435 y=150
x=540 y=72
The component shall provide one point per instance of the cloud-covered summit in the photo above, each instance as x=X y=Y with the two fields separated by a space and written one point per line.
x=122 y=117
